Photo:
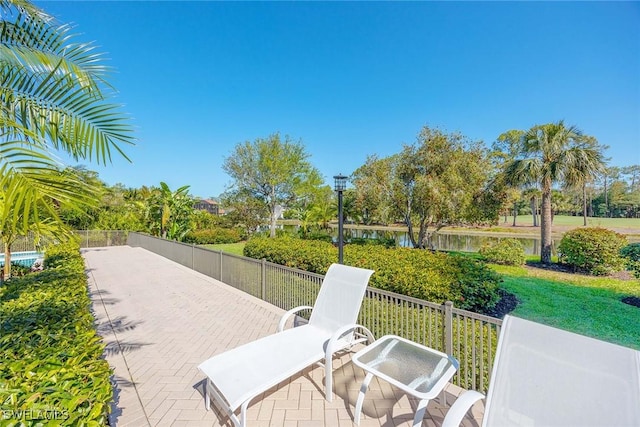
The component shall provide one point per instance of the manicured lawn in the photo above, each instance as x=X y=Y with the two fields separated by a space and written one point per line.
x=633 y=224
x=232 y=248
x=583 y=304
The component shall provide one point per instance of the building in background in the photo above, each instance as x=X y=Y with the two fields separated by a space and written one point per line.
x=209 y=205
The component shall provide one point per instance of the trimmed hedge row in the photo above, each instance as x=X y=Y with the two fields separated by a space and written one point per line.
x=213 y=236
x=51 y=365
x=432 y=276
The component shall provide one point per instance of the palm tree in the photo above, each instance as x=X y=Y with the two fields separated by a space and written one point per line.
x=550 y=154
x=53 y=96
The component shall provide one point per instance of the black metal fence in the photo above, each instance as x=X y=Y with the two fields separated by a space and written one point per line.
x=470 y=337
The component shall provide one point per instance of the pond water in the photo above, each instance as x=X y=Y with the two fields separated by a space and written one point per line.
x=443 y=240
x=448 y=241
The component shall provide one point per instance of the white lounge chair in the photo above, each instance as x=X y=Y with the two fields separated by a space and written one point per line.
x=546 y=377
x=237 y=376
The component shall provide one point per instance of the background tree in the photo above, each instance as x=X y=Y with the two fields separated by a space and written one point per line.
x=373 y=191
x=244 y=210
x=323 y=209
x=273 y=171
x=432 y=183
x=504 y=151
x=550 y=154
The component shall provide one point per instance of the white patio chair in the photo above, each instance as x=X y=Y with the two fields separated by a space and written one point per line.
x=546 y=377
x=237 y=376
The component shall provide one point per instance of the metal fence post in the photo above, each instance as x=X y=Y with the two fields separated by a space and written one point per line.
x=263 y=278
x=447 y=335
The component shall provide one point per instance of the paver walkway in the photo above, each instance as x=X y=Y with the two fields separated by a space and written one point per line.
x=160 y=320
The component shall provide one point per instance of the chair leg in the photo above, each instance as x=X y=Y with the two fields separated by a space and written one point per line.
x=363 y=389
x=243 y=414
x=422 y=407
x=328 y=379
x=207 y=398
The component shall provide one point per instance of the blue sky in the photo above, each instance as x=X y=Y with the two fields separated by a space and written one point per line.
x=355 y=79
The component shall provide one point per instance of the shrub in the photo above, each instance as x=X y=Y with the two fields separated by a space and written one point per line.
x=309 y=255
x=505 y=251
x=380 y=241
x=432 y=276
x=592 y=250
x=213 y=236
x=631 y=254
x=324 y=237
x=50 y=355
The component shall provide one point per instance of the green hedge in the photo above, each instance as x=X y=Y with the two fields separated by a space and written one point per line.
x=213 y=236
x=593 y=250
x=505 y=251
x=51 y=365
x=432 y=276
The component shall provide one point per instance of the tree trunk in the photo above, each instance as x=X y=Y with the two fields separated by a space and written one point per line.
x=545 y=225
x=584 y=204
x=412 y=239
x=423 y=237
x=606 y=198
x=272 y=209
x=515 y=212
x=7 y=262
x=407 y=219
x=272 y=226
x=534 y=210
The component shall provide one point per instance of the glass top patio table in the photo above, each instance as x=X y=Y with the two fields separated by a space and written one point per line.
x=414 y=368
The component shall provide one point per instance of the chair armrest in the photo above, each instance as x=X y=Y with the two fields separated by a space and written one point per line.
x=285 y=317
x=331 y=345
x=460 y=407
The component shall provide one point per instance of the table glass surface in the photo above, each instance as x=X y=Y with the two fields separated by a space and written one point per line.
x=414 y=367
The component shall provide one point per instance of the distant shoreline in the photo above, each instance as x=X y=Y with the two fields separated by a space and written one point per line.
x=630 y=227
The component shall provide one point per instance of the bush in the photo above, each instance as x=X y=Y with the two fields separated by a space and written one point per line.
x=50 y=355
x=380 y=241
x=592 y=250
x=309 y=255
x=323 y=237
x=432 y=276
x=631 y=254
x=213 y=236
x=505 y=251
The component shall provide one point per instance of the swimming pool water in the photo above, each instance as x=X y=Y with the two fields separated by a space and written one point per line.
x=26 y=259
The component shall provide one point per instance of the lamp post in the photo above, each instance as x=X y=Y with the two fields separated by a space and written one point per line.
x=340 y=186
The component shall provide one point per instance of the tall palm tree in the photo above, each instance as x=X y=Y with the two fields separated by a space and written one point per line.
x=53 y=96
x=552 y=154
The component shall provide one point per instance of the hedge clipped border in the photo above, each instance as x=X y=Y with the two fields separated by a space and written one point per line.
x=431 y=276
x=51 y=367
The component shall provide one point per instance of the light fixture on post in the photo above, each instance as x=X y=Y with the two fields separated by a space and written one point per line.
x=340 y=186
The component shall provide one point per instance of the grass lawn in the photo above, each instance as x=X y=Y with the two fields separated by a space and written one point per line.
x=232 y=248
x=563 y=223
x=583 y=304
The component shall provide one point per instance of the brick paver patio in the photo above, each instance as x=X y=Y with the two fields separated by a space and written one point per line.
x=160 y=320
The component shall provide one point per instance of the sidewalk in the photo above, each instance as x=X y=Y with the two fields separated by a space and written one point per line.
x=160 y=320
